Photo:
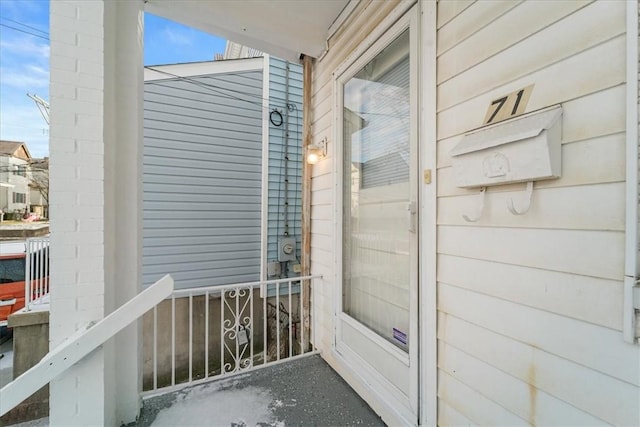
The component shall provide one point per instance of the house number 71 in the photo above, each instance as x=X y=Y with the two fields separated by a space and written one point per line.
x=508 y=106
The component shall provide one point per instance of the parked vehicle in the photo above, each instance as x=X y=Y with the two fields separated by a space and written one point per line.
x=13 y=262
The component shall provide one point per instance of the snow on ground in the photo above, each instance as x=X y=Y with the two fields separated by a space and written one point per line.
x=219 y=405
x=42 y=422
x=6 y=363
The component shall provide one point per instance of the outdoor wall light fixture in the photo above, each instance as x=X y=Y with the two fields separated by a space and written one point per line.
x=317 y=151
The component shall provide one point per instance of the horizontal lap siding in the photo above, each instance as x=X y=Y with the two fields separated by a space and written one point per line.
x=276 y=211
x=530 y=307
x=202 y=179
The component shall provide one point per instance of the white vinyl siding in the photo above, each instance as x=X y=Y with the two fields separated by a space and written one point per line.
x=202 y=179
x=530 y=307
x=14 y=173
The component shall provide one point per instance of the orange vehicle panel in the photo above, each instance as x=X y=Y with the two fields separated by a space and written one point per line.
x=11 y=284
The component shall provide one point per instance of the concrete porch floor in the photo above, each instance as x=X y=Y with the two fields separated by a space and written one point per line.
x=302 y=392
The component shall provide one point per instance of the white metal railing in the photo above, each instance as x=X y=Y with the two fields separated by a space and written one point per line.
x=77 y=346
x=201 y=333
x=36 y=271
x=3 y=303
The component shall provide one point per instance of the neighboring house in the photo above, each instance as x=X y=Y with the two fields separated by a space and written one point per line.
x=14 y=176
x=235 y=50
x=205 y=207
x=282 y=101
x=39 y=187
x=441 y=301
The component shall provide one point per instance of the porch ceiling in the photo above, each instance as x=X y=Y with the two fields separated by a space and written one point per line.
x=284 y=28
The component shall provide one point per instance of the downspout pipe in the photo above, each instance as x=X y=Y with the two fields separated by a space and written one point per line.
x=631 y=301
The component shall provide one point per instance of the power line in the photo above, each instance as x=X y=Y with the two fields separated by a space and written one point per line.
x=23 y=31
x=219 y=89
x=26 y=26
x=213 y=88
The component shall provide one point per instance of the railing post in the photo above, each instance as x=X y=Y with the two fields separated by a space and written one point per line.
x=206 y=334
x=27 y=275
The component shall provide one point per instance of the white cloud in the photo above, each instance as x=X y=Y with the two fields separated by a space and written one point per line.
x=23 y=122
x=20 y=120
x=30 y=78
x=23 y=7
x=25 y=63
x=178 y=36
x=24 y=68
x=25 y=47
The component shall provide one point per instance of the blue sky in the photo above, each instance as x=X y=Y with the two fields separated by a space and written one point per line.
x=24 y=63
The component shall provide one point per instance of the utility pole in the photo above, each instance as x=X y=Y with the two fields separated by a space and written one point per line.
x=43 y=106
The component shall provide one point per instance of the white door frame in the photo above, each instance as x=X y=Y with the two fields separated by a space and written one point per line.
x=427 y=312
x=427 y=137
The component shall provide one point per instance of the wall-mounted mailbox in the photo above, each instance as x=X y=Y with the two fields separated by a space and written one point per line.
x=524 y=149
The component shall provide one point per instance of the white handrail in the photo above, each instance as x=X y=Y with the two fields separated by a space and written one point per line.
x=81 y=344
x=212 y=288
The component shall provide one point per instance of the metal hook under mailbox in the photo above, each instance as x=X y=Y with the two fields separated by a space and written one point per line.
x=483 y=192
x=527 y=203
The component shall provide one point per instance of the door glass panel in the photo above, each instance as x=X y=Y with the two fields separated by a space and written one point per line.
x=376 y=237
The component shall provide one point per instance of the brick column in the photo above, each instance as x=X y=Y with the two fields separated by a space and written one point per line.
x=77 y=202
x=96 y=195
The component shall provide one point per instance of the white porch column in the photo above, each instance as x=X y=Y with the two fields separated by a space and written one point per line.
x=96 y=139
x=77 y=203
x=124 y=86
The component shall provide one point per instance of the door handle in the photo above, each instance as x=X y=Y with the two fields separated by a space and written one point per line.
x=412 y=211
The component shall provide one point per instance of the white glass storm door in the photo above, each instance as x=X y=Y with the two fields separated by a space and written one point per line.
x=377 y=318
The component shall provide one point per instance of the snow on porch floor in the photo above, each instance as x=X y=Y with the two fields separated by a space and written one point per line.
x=303 y=392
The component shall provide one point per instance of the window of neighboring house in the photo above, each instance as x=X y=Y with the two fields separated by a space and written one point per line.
x=20 y=170
x=19 y=198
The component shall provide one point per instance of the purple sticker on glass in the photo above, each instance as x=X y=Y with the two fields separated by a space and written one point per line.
x=398 y=335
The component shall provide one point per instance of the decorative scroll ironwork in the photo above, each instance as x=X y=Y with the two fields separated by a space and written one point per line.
x=237 y=324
